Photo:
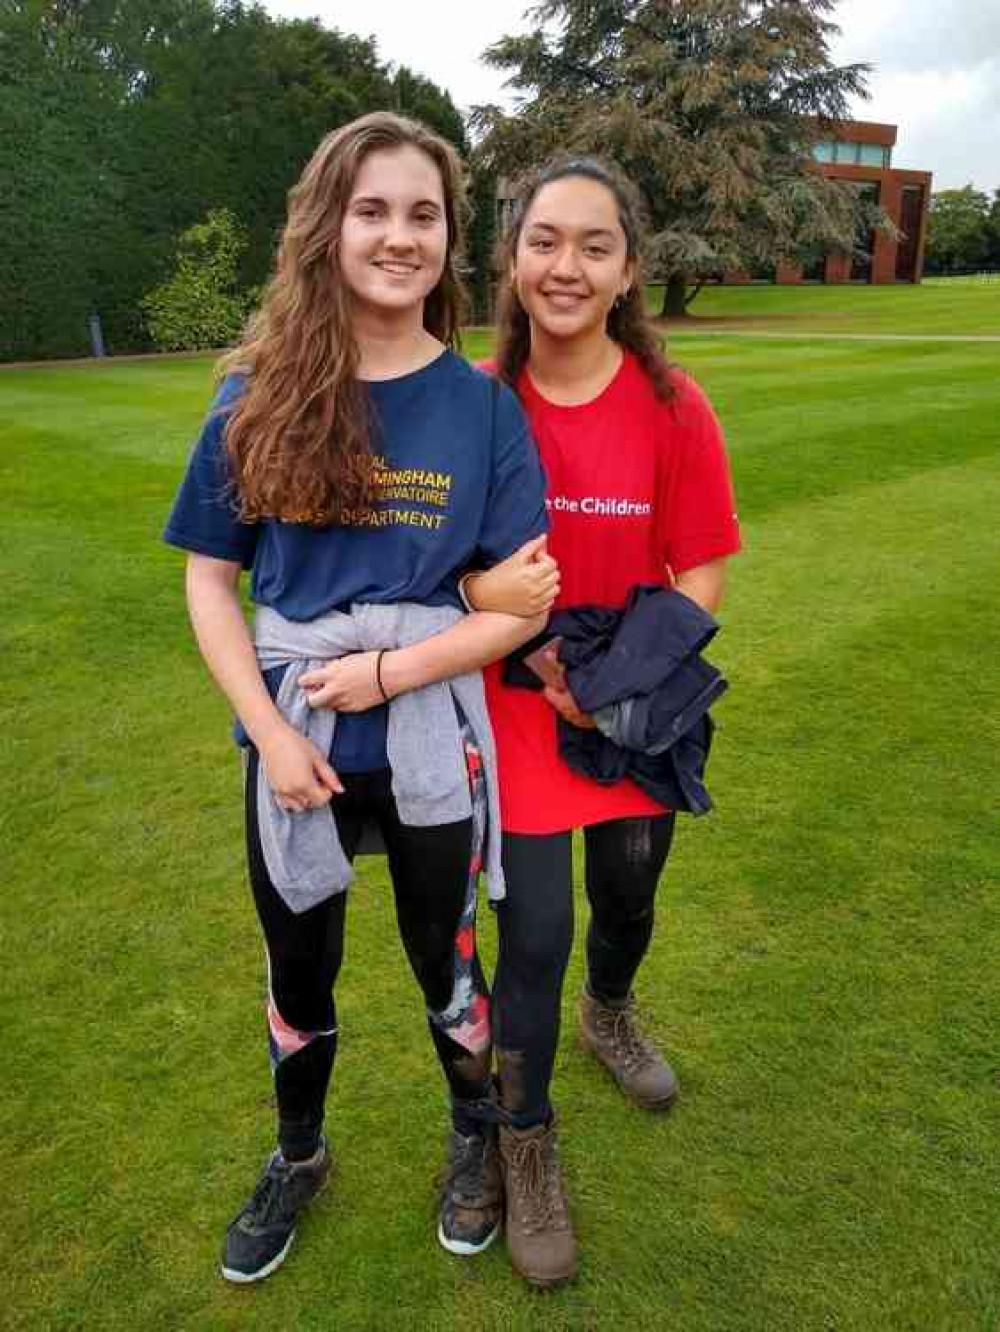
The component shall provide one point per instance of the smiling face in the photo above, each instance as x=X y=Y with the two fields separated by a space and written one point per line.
x=571 y=262
x=394 y=235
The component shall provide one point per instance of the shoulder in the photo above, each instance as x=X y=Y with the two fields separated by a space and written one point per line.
x=482 y=380
x=689 y=410
x=232 y=388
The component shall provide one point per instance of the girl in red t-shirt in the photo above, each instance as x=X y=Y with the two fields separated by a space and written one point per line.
x=638 y=492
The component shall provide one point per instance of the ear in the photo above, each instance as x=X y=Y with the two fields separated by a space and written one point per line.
x=628 y=277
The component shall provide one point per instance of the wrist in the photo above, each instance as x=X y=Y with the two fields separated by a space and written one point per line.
x=396 y=673
x=265 y=732
x=466 y=585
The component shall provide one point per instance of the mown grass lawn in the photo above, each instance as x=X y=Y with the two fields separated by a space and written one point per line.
x=824 y=973
x=950 y=307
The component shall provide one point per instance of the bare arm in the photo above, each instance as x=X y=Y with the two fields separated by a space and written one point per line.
x=704 y=584
x=350 y=684
x=526 y=583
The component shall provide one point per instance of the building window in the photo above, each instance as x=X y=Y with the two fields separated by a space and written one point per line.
x=823 y=152
x=873 y=155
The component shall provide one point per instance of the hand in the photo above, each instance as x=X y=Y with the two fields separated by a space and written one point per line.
x=349 y=684
x=525 y=583
x=565 y=704
x=297 y=772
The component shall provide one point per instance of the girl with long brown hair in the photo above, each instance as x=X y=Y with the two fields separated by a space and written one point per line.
x=638 y=494
x=356 y=466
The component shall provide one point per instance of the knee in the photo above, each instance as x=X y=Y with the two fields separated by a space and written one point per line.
x=538 y=945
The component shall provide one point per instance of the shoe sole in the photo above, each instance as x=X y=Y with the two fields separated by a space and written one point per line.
x=657 y=1107
x=462 y=1247
x=247 y=1278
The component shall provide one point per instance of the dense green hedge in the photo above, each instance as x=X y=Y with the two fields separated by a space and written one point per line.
x=122 y=126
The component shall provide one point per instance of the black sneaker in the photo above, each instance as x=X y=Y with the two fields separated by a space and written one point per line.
x=259 y=1238
x=471 y=1200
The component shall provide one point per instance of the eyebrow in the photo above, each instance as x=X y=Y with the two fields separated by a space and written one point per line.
x=378 y=199
x=591 y=233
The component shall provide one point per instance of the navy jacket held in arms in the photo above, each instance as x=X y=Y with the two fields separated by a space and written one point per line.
x=638 y=671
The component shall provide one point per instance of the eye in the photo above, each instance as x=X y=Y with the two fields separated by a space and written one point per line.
x=427 y=219
x=596 y=251
x=541 y=244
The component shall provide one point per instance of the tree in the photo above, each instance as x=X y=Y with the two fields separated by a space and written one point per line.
x=122 y=124
x=202 y=304
x=959 y=229
x=993 y=233
x=711 y=106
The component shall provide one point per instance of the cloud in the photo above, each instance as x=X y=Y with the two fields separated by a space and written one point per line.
x=916 y=35
x=936 y=74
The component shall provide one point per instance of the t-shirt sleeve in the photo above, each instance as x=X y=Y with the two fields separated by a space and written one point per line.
x=515 y=505
x=699 y=506
x=204 y=518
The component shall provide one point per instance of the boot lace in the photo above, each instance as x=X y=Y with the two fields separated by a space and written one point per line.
x=266 y=1205
x=621 y=1028
x=535 y=1168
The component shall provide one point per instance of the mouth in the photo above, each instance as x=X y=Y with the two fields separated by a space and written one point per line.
x=395 y=267
x=564 y=300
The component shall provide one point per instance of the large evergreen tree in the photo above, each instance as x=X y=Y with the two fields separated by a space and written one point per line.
x=711 y=106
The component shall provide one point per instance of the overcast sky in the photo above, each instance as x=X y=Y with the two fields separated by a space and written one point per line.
x=936 y=76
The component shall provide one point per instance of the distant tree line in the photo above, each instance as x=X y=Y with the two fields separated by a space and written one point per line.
x=963 y=232
x=126 y=123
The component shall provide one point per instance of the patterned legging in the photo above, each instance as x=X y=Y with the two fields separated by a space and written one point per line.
x=434 y=875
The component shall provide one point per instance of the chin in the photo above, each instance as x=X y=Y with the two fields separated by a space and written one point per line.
x=567 y=325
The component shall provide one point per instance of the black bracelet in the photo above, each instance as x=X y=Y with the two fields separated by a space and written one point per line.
x=378 y=674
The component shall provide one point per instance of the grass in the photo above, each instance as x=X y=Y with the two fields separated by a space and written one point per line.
x=824 y=972
x=932 y=308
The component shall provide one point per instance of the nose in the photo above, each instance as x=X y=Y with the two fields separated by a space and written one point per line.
x=399 y=234
x=566 y=263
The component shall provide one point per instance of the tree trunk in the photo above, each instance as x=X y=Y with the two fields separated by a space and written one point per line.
x=674 y=304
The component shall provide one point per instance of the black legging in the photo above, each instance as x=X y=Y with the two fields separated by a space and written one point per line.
x=624 y=858
x=429 y=868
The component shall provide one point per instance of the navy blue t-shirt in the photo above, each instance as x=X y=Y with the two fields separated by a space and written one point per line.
x=458 y=483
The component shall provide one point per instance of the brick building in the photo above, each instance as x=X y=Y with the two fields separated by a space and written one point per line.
x=860 y=151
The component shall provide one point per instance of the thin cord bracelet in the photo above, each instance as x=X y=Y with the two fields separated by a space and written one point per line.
x=378 y=674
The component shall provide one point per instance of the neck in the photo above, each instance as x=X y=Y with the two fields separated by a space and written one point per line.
x=572 y=370
x=390 y=345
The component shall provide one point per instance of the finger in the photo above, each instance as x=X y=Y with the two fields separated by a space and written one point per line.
x=322 y=698
x=557 y=697
x=326 y=776
x=289 y=805
x=531 y=549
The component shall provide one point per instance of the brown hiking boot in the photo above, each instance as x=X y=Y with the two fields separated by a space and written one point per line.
x=612 y=1034
x=539 y=1232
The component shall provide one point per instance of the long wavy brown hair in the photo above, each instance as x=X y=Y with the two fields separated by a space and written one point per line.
x=628 y=324
x=299 y=441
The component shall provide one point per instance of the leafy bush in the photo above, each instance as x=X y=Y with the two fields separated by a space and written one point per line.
x=201 y=305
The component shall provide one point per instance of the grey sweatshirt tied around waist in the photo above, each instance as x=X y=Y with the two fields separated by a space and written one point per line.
x=429 y=777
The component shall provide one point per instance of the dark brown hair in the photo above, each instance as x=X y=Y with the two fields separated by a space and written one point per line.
x=628 y=323
x=299 y=442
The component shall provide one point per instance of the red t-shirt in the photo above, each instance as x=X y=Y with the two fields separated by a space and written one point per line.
x=634 y=485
